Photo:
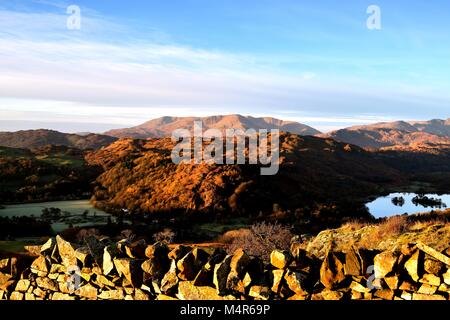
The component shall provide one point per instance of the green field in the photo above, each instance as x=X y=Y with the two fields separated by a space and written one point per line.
x=60 y=160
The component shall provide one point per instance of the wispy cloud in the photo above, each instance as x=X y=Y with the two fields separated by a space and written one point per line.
x=48 y=72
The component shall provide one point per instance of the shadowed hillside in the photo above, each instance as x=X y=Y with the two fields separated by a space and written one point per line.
x=422 y=136
x=140 y=176
x=38 y=138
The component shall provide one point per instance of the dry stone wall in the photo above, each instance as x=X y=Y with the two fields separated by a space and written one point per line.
x=102 y=270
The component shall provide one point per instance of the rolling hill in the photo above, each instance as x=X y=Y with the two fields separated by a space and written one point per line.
x=30 y=139
x=425 y=136
x=140 y=176
x=163 y=127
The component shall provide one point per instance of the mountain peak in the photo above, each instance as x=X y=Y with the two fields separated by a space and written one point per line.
x=164 y=126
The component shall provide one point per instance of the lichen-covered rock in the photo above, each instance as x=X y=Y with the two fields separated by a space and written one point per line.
x=117 y=294
x=331 y=271
x=220 y=276
x=130 y=269
x=62 y=296
x=170 y=279
x=47 y=284
x=353 y=264
x=384 y=264
x=87 y=291
x=413 y=264
x=23 y=285
x=297 y=282
x=259 y=292
x=280 y=259
x=66 y=252
x=40 y=266
x=83 y=254
x=188 y=291
x=109 y=253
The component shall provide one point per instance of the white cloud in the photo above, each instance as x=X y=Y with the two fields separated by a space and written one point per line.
x=47 y=72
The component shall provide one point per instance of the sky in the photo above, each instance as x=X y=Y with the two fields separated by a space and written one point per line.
x=315 y=62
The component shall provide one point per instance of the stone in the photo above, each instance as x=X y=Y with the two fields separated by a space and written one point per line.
x=384 y=264
x=248 y=280
x=112 y=295
x=163 y=297
x=408 y=249
x=220 y=277
x=259 y=292
x=83 y=254
x=29 y=296
x=188 y=291
x=419 y=296
x=358 y=287
x=87 y=291
x=331 y=271
x=444 y=288
x=140 y=295
x=109 y=252
x=332 y=295
x=131 y=269
x=357 y=295
x=103 y=281
x=385 y=294
x=33 y=250
x=412 y=266
x=434 y=253
x=298 y=297
x=48 y=247
x=136 y=250
x=406 y=295
x=393 y=282
x=408 y=286
x=431 y=279
x=57 y=268
x=16 y=296
x=96 y=249
x=4 y=265
x=427 y=289
x=23 y=285
x=157 y=263
x=186 y=266
x=178 y=252
x=39 y=266
x=66 y=252
x=353 y=265
x=62 y=296
x=47 y=284
x=277 y=278
x=239 y=262
x=280 y=259
x=296 y=281
x=446 y=277
x=170 y=279
x=433 y=266
x=38 y=292
x=128 y=290
x=4 y=278
x=158 y=250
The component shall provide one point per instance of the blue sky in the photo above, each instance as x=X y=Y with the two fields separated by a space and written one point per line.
x=310 y=61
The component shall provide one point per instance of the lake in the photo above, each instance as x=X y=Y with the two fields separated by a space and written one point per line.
x=404 y=203
x=72 y=213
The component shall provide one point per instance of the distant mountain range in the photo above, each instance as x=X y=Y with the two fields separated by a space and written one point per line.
x=163 y=127
x=398 y=135
x=31 y=139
